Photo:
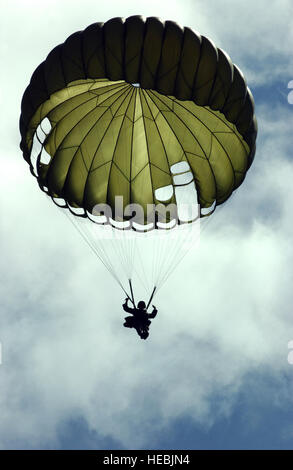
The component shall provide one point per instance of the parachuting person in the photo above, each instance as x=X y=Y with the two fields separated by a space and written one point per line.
x=140 y=319
x=112 y=113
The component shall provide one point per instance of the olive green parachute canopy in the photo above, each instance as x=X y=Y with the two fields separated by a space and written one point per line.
x=117 y=105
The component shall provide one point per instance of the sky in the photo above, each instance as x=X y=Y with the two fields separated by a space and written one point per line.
x=214 y=373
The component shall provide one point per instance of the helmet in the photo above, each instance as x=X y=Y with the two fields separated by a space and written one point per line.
x=141 y=305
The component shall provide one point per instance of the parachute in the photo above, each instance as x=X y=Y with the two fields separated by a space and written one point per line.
x=126 y=124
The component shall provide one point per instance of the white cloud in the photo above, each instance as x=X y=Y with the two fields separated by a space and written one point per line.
x=259 y=36
x=225 y=313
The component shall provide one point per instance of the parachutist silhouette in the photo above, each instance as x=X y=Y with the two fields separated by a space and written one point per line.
x=140 y=319
x=130 y=142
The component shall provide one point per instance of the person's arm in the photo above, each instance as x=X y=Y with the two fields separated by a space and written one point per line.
x=126 y=308
x=154 y=312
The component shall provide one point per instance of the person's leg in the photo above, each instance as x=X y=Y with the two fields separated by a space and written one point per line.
x=128 y=322
x=144 y=334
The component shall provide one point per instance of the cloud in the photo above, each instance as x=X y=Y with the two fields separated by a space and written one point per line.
x=224 y=314
x=259 y=38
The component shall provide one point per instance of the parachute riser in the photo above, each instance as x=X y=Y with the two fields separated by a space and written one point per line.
x=151 y=297
x=131 y=290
